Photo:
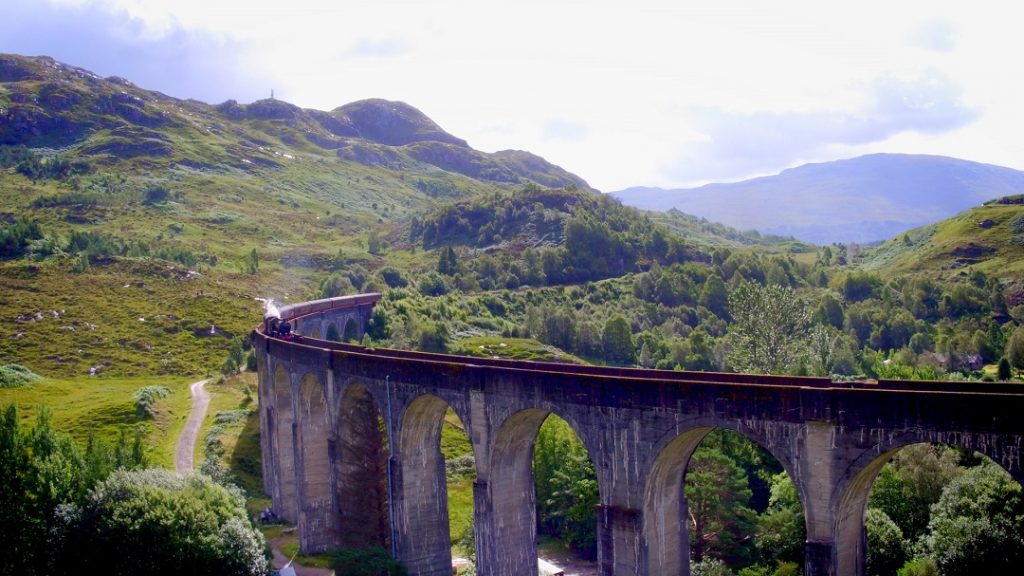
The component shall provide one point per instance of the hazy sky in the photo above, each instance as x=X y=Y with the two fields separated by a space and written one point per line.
x=626 y=93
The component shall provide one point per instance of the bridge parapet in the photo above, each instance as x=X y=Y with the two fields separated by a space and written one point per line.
x=325 y=461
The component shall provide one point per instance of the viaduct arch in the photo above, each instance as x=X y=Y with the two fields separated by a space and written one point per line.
x=351 y=449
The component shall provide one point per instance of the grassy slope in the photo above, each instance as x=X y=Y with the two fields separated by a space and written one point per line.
x=235 y=184
x=129 y=318
x=105 y=406
x=514 y=349
x=948 y=247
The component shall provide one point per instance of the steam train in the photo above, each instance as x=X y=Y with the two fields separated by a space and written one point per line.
x=279 y=328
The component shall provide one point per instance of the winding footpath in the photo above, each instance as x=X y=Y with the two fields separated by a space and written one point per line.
x=183 y=458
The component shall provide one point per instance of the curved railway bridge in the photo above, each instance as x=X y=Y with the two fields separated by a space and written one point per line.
x=351 y=445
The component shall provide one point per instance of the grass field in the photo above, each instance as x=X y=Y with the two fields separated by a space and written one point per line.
x=514 y=349
x=233 y=419
x=105 y=407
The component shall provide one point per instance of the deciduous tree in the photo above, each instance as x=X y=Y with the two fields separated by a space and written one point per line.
x=769 y=325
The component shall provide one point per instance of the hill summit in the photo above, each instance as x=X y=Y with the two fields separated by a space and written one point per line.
x=864 y=199
x=47 y=104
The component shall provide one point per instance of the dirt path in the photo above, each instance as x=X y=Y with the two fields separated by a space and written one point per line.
x=187 y=441
x=280 y=560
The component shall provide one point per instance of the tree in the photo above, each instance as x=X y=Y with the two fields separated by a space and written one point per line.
x=44 y=478
x=907 y=487
x=374 y=243
x=857 y=286
x=1005 y=370
x=251 y=263
x=433 y=284
x=447 y=261
x=566 y=487
x=922 y=566
x=432 y=337
x=977 y=526
x=235 y=357
x=335 y=284
x=822 y=344
x=710 y=567
x=829 y=311
x=887 y=551
x=617 y=341
x=781 y=530
x=718 y=498
x=1015 y=348
x=714 y=296
x=769 y=325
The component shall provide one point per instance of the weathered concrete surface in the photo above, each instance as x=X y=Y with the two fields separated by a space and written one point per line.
x=379 y=476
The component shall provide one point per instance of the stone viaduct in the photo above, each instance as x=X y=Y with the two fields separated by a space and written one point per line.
x=351 y=445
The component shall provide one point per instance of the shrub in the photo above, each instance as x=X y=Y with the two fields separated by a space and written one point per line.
x=460 y=467
x=156 y=522
x=393 y=277
x=710 y=567
x=432 y=284
x=155 y=194
x=146 y=397
x=15 y=238
x=16 y=375
x=923 y=566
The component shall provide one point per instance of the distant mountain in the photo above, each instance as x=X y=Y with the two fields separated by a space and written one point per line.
x=864 y=199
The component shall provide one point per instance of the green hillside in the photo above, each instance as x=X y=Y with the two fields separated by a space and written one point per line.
x=138 y=231
x=987 y=238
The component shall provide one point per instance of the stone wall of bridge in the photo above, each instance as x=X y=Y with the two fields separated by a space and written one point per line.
x=351 y=446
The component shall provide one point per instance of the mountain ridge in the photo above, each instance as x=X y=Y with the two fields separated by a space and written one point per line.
x=863 y=199
x=48 y=104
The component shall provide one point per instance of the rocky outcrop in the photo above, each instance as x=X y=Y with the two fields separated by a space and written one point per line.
x=15 y=69
x=392 y=123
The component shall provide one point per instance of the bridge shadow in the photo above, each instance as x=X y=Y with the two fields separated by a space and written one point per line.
x=245 y=460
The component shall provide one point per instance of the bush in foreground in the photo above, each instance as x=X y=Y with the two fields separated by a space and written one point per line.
x=156 y=522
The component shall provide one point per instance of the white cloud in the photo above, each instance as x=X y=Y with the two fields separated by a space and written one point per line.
x=936 y=35
x=556 y=129
x=385 y=48
x=740 y=145
x=663 y=91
